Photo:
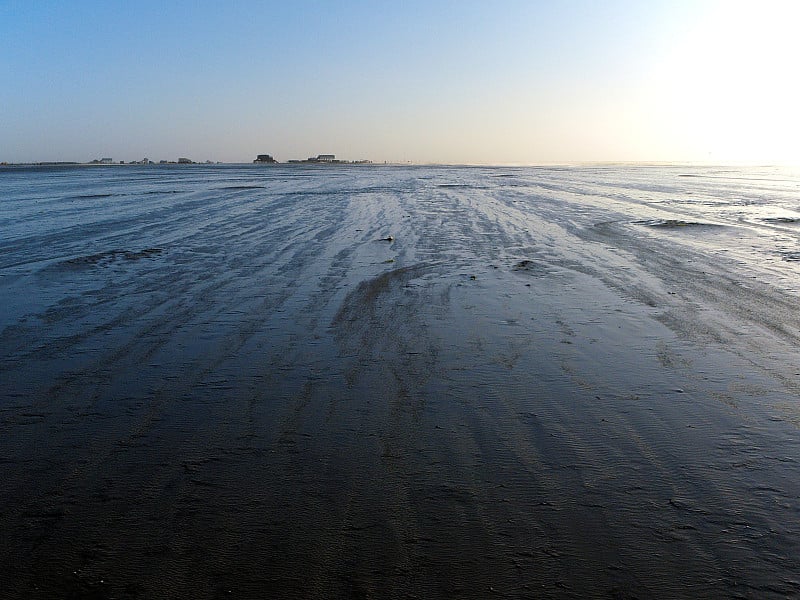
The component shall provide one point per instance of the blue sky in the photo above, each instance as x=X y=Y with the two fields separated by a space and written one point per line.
x=457 y=82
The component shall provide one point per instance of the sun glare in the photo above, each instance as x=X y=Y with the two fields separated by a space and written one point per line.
x=729 y=86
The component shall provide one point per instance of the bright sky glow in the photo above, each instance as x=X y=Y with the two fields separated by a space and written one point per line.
x=425 y=81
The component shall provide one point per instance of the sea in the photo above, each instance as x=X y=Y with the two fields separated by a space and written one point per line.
x=396 y=381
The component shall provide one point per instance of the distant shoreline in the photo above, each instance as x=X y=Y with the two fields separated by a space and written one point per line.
x=586 y=164
x=215 y=164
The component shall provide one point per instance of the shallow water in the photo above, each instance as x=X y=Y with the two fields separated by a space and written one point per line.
x=372 y=381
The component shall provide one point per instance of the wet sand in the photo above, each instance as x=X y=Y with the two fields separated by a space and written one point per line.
x=524 y=394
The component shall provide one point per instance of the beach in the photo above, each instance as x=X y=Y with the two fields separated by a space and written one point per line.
x=400 y=382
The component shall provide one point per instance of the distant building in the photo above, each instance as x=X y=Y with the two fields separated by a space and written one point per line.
x=328 y=159
x=106 y=161
x=321 y=158
x=184 y=161
x=265 y=158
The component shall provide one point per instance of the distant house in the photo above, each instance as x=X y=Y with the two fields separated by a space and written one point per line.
x=106 y=161
x=264 y=158
x=184 y=161
x=321 y=158
x=329 y=159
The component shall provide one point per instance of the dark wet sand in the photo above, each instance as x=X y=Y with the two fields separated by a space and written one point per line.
x=261 y=397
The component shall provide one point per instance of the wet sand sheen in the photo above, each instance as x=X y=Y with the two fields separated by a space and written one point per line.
x=523 y=394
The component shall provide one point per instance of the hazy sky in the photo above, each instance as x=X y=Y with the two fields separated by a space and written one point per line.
x=424 y=81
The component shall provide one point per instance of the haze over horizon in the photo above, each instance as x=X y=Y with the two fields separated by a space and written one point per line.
x=447 y=82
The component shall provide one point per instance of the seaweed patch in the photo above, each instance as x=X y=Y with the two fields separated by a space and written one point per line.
x=675 y=224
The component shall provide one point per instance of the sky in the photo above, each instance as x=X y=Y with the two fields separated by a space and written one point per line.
x=476 y=82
